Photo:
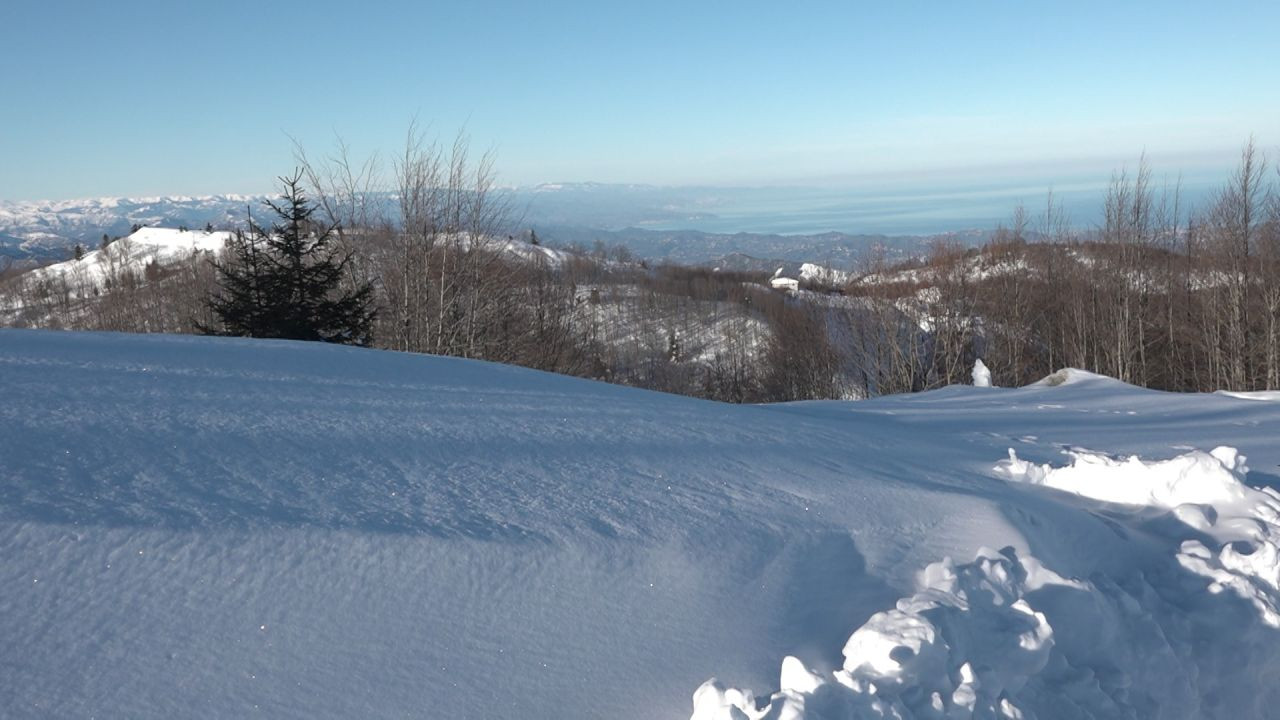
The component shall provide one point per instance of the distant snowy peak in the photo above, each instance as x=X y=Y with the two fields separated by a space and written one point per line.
x=115 y=202
x=588 y=187
x=43 y=211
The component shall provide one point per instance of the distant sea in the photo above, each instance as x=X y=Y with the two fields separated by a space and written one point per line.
x=791 y=211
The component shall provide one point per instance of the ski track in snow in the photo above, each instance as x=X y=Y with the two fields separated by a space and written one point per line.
x=221 y=528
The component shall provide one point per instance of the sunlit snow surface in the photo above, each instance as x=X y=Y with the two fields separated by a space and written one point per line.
x=228 y=528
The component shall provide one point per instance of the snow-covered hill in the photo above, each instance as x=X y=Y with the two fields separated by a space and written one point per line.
x=133 y=253
x=164 y=246
x=204 y=527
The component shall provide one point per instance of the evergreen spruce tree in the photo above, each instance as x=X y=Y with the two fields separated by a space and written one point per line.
x=241 y=303
x=284 y=282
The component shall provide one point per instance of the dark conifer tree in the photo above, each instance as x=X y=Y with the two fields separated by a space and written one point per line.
x=241 y=302
x=284 y=282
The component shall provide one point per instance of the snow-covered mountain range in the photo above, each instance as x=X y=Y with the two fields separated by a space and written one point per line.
x=205 y=527
x=47 y=229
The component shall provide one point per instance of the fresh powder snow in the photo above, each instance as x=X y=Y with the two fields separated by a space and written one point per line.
x=197 y=527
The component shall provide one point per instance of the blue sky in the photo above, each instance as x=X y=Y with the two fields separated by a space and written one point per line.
x=143 y=98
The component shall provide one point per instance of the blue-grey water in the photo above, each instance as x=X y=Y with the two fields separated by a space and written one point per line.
x=898 y=212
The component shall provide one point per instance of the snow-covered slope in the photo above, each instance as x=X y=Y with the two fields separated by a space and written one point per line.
x=825 y=275
x=221 y=528
x=166 y=245
x=133 y=253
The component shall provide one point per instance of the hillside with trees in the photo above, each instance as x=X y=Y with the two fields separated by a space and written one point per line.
x=1160 y=295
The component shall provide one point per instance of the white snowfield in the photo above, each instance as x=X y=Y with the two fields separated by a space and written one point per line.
x=212 y=528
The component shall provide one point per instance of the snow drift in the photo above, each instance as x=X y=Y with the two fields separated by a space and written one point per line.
x=982 y=639
x=218 y=528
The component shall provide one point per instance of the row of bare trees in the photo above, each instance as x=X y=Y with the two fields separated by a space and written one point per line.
x=1159 y=295
x=454 y=281
x=694 y=331
x=116 y=292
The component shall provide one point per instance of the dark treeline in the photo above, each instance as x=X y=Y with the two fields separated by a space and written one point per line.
x=1159 y=295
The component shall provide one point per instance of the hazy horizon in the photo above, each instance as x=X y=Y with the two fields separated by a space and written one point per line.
x=944 y=207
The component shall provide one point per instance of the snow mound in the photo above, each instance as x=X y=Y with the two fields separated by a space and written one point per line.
x=1068 y=376
x=981 y=375
x=963 y=646
x=1206 y=493
x=1196 y=477
x=1006 y=637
